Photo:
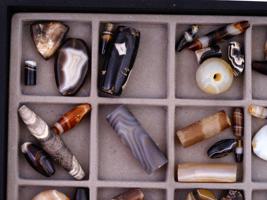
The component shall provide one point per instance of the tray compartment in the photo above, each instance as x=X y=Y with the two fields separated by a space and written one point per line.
x=77 y=139
x=186 y=66
x=111 y=149
x=46 y=84
x=150 y=193
x=198 y=152
x=150 y=63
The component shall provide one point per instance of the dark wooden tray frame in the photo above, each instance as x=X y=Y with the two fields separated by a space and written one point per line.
x=10 y=7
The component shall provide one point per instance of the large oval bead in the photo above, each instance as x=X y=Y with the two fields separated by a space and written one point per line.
x=38 y=159
x=222 y=148
x=259 y=143
x=71 y=66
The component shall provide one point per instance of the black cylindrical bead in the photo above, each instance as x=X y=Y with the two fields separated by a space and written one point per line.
x=30 y=72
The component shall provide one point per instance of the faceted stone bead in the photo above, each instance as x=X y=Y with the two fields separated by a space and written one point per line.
x=51 y=195
x=234 y=195
x=132 y=194
x=48 y=36
x=38 y=159
x=222 y=148
x=259 y=143
x=71 y=118
x=81 y=194
x=71 y=66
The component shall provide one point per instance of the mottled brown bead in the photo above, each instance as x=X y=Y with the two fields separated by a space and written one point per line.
x=71 y=118
x=204 y=129
x=132 y=194
x=204 y=194
x=238 y=122
x=234 y=195
x=48 y=36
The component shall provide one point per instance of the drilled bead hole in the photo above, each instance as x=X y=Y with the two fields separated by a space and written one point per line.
x=217 y=77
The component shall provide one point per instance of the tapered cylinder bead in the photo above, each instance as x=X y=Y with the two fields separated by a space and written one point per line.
x=51 y=142
x=71 y=118
x=137 y=139
x=238 y=122
x=204 y=129
x=30 y=75
x=207 y=172
x=132 y=194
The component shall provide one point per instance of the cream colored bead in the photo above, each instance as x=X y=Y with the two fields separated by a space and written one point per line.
x=259 y=143
x=214 y=76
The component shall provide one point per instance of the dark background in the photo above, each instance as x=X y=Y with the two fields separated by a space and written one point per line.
x=9 y=7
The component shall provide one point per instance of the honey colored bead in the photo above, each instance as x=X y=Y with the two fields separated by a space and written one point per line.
x=204 y=194
x=71 y=118
x=204 y=129
x=207 y=173
x=257 y=111
x=51 y=195
x=238 y=122
x=132 y=194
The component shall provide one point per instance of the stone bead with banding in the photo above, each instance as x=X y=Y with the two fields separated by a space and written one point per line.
x=257 y=111
x=207 y=172
x=51 y=142
x=51 y=195
x=132 y=194
x=238 y=122
x=204 y=129
x=71 y=118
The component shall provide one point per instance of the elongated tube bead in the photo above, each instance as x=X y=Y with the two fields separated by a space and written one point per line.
x=137 y=139
x=204 y=129
x=207 y=172
x=51 y=142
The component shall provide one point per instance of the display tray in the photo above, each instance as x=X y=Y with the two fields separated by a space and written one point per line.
x=162 y=94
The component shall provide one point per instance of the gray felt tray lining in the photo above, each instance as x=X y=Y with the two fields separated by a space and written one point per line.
x=161 y=93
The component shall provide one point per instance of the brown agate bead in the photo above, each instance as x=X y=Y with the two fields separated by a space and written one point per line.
x=238 y=122
x=48 y=36
x=203 y=129
x=71 y=118
x=132 y=194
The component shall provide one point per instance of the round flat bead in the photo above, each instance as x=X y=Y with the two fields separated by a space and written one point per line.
x=214 y=76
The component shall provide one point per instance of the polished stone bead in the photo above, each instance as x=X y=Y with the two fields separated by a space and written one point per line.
x=106 y=37
x=30 y=72
x=236 y=58
x=132 y=194
x=207 y=172
x=71 y=118
x=209 y=52
x=48 y=36
x=136 y=138
x=222 y=148
x=81 y=194
x=51 y=195
x=257 y=111
x=204 y=194
x=71 y=66
x=51 y=142
x=187 y=38
x=238 y=122
x=259 y=143
x=234 y=195
x=204 y=128
x=239 y=151
x=38 y=159
x=220 y=34
x=119 y=61
x=214 y=76
x=190 y=196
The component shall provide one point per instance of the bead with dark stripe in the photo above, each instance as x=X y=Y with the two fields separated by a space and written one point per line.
x=238 y=122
